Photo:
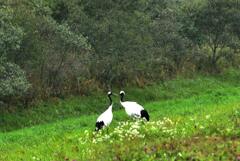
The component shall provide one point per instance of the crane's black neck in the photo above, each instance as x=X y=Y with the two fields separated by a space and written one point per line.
x=122 y=97
x=110 y=99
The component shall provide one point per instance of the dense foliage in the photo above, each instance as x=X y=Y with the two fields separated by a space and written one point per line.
x=212 y=26
x=12 y=81
x=78 y=46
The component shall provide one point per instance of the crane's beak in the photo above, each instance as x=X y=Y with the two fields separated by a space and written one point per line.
x=115 y=94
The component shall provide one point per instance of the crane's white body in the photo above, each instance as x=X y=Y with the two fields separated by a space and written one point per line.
x=132 y=109
x=106 y=116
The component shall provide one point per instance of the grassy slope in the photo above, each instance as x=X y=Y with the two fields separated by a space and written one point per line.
x=56 y=109
x=185 y=101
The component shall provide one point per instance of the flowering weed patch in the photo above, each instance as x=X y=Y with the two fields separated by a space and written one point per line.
x=162 y=139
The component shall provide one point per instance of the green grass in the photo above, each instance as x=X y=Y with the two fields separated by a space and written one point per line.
x=57 y=109
x=204 y=114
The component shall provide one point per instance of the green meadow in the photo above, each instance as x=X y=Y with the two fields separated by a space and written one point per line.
x=190 y=119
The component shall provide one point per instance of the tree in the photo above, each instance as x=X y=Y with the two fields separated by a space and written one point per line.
x=65 y=44
x=10 y=34
x=209 y=24
x=50 y=52
x=118 y=34
x=13 y=81
x=170 y=48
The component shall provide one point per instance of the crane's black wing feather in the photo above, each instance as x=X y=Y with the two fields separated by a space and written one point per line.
x=99 y=125
x=144 y=114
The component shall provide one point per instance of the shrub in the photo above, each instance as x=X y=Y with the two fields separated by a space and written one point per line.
x=13 y=82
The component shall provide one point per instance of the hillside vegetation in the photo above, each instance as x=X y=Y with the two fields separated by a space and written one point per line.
x=57 y=48
x=191 y=119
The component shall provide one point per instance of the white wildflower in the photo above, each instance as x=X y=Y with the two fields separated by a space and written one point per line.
x=201 y=127
x=180 y=154
x=207 y=116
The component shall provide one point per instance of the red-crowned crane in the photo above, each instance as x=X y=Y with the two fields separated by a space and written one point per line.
x=133 y=109
x=106 y=117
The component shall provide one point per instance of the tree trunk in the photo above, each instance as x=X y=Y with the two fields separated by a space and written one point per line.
x=214 y=59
